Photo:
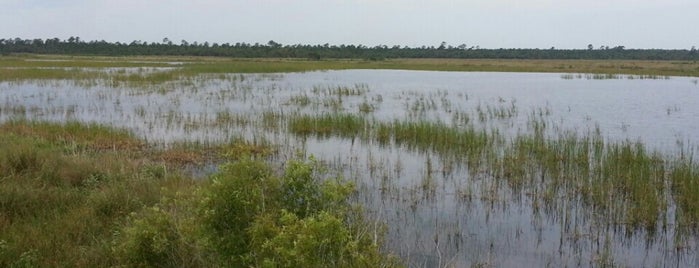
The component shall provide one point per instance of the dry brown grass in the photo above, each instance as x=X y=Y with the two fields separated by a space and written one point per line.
x=183 y=157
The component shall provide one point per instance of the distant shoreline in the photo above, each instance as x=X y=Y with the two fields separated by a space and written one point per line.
x=192 y=65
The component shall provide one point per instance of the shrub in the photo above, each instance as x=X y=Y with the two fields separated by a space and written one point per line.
x=239 y=192
x=255 y=219
x=151 y=240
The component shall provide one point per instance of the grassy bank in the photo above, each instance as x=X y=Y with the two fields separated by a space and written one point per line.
x=34 y=67
x=81 y=195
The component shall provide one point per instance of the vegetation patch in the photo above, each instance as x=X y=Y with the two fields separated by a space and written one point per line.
x=140 y=213
x=623 y=183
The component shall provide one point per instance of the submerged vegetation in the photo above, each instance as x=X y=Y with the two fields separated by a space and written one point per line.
x=624 y=183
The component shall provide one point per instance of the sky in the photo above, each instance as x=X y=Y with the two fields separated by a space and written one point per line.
x=668 y=24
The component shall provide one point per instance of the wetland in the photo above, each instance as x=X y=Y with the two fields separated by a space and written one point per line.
x=450 y=168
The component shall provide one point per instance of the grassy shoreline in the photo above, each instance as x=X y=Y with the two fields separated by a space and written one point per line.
x=87 y=195
x=197 y=65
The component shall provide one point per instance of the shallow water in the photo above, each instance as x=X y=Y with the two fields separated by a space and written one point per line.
x=438 y=211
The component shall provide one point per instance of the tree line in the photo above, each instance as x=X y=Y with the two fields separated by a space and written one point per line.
x=272 y=49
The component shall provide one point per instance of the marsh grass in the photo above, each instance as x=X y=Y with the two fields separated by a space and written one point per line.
x=613 y=76
x=421 y=135
x=332 y=124
x=75 y=134
x=341 y=91
x=15 y=68
x=301 y=100
x=66 y=199
x=366 y=107
x=684 y=176
x=56 y=177
x=624 y=183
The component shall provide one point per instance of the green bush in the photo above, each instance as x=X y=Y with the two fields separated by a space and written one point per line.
x=238 y=193
x=151 y=240
x=256 y=219
x=320 y=240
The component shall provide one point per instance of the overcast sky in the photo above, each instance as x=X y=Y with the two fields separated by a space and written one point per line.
x=486 y=23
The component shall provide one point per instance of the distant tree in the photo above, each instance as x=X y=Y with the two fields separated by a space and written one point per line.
x=75 y=46
x=273 y=44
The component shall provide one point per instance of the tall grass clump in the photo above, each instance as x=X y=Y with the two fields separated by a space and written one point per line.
x=421 y=135
x=630 y=183
x=441 y=138
x=684 y=177
x=342 y=125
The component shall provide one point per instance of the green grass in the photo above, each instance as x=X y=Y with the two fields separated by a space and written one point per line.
x=85 y=195
x=421 y=135
x=342 y=125
x=92 y=136
x=684 y=176
x=66 y=188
